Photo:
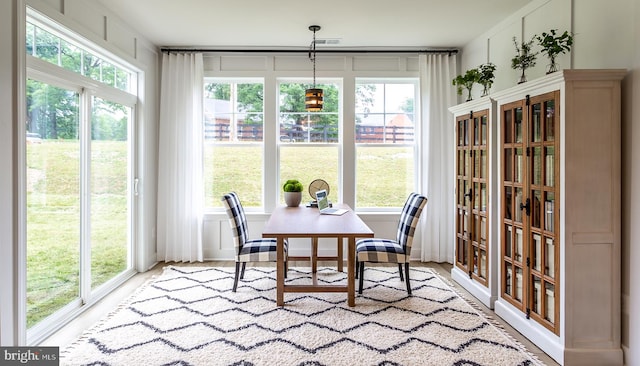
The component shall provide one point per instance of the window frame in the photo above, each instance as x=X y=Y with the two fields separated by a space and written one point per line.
x=339 y=83
x=415 y=145
x=41 y=70
x=261 y=144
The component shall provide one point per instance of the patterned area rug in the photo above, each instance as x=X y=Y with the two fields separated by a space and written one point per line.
x=189 y=316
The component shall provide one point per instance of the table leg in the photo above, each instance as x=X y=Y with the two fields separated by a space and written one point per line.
x=340 y=254
x=314 y=254
x=280 y=271
x=351 y=270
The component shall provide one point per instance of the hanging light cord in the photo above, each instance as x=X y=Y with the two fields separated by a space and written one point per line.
x=312 y=52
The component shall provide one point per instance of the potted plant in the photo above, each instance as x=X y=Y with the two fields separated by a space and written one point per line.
x=292 y=192
x=466 y=81
x=524 y=59
x=553 y=46
x=487 y=74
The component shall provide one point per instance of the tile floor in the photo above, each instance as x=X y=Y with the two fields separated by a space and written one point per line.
x=74 y=329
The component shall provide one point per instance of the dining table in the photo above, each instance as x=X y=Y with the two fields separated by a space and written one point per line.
x=307 y=222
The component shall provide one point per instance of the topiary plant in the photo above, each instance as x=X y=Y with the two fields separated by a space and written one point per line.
x=292 y=185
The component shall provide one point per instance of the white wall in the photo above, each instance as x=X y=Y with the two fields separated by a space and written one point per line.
x=606 y=35
x=602 y=38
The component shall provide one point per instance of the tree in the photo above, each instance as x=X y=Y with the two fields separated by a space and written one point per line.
x=52 y=112
x=364 y=99
x=293 y=111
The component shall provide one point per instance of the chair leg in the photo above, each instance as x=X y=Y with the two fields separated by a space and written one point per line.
x=237 y=274
x=286 y=268
x=357 y=267
x=400 y=268
x=361 y=277
x=406 y=268
x=244 y=265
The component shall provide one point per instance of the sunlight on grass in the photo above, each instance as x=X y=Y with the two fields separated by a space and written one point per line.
x=385 y=175
x=53 y=221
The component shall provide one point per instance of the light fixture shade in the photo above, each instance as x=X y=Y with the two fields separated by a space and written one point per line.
x=313 y=100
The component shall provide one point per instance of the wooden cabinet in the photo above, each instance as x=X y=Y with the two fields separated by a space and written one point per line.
x=529 y=191
x=559 y=220
x=474 y=256
x=551 y=214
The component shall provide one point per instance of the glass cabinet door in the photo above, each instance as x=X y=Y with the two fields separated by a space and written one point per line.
x=472 y=192
x=530 y=189
x=543 y=189
x=513 y=202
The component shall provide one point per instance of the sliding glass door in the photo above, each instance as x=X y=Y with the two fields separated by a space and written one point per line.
x=79 y=191
x=110 y=186
x=53 y=158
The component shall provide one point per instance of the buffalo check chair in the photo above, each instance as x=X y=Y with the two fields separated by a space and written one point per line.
x=392 y=251
x=248 y=250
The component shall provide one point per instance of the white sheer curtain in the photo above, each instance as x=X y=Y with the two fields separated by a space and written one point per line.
x=180 y=187
x=438 y=135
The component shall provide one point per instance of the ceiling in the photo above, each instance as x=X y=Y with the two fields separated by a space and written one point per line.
x=282 y=24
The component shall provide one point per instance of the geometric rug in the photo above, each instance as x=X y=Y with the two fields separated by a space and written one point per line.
x=190 y=316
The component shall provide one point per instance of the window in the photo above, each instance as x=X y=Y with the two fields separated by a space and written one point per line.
x=79 y=157
x=233 y=140
x=44 y=44
x=309 y=141
x=385 y=137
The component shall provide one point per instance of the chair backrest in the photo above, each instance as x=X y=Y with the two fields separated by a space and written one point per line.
x=237 y=219
x=409 y=220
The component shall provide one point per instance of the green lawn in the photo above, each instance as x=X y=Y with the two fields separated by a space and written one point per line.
x=384 y=174
x=53 y=221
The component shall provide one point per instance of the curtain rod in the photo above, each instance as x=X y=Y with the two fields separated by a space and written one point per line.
x=212 y=50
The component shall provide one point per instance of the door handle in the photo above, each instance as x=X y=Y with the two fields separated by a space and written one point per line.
x=526 y=206
x=468 y=195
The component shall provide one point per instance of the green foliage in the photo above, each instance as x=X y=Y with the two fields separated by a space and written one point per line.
x=292 y=185
x=553 y=45
x=53 y=113
x=487 y=74
x=295 y=117
x=525 y=58
x=466 y=81
x=364 y=97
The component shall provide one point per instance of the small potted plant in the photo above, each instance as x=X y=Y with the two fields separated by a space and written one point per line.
x=487 y=74
x=553 y=46
x=525 y=57
x=292 y=192
x=466 y=81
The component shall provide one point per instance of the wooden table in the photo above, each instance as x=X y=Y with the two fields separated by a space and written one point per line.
x=306 y=222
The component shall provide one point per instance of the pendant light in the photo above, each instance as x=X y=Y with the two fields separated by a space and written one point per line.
x=313 y=98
